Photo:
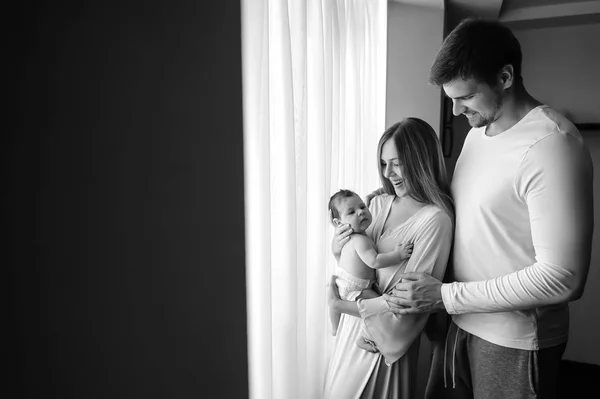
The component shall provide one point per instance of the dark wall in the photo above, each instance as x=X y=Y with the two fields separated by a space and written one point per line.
x=125 y=201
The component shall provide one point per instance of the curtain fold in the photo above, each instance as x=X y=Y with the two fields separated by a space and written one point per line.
x=314 y=109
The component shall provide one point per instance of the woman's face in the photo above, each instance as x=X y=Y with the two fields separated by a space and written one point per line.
x=392 y=169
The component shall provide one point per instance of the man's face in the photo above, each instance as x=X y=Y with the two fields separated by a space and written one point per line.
x=479 y=102
x=354 y=212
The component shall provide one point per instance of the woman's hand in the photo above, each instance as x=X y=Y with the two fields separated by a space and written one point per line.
x=341 y=236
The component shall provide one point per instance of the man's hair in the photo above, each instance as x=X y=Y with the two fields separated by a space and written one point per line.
x=335 y=200
x=420 y=152
x=479 y=49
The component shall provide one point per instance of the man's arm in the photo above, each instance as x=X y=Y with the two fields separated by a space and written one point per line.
x=556 y=183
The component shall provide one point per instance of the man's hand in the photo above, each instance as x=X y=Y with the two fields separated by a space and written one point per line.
x=416 y=293
x=374 y=194
x=341 y=236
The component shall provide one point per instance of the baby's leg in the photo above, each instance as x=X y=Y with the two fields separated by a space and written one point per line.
x=334 y=317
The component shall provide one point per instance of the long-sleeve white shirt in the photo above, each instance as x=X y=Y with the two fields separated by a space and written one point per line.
x=524 y=224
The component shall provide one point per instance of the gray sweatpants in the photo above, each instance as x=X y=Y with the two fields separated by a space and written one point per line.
x=468 y=367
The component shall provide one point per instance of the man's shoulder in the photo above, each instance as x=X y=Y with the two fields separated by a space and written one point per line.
x=559 y=123
x=549 y=122
x=561 y=147
x=556 y=135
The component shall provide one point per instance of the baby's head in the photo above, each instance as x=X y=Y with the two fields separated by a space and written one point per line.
x=346 y=206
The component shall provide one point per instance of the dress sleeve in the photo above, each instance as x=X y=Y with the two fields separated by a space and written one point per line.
x=556 y=182
x=376 y=207
x=376 y=204
x=394 y=334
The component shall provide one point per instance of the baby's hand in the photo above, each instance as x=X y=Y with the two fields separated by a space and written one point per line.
x=405 y=250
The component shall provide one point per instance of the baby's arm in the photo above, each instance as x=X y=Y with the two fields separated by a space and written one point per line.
x=367 y=253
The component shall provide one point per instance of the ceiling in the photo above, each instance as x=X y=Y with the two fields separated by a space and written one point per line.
x=518 y=14
x=541 y=13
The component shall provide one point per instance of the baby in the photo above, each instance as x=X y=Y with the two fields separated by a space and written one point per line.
x=359 y=257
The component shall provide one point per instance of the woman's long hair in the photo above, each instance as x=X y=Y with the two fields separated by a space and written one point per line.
x=420 y=153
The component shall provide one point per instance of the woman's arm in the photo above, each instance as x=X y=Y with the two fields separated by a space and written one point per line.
x=347 y=307
x=392 y=333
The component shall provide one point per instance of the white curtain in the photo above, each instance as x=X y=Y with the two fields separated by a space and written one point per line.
x=314 y=107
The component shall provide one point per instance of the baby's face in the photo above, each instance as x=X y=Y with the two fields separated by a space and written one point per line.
x=354 y=212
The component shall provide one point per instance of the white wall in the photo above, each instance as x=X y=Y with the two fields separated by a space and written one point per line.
x=415 y=33
x=414 y=36
x=561 y=67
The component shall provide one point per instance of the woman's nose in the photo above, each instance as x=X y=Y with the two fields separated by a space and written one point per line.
x=457 y=107
x=387 y=172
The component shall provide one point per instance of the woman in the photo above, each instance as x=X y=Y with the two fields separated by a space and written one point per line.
x=417 y=208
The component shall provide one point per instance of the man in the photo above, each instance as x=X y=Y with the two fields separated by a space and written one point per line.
x=524 y=221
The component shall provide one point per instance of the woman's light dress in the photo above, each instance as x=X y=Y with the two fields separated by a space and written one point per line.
x=356 y=373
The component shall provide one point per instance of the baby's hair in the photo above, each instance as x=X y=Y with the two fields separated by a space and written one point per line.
x=334 y=200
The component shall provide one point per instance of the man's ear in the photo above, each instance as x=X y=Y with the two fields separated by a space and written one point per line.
x=507 y=76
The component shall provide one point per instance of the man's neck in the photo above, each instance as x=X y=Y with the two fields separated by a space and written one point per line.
x=516 y=105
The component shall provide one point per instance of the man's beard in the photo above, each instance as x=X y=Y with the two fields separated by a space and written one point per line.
x=482 y=121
